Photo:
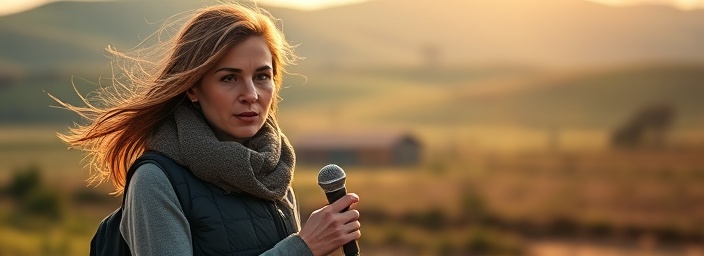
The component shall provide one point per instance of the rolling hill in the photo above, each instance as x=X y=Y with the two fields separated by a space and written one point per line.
x=599 y=99
x=446 y=54
x=381 y=33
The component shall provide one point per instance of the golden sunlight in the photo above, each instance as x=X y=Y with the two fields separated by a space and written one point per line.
x=13 y=6
x=680 y=4
x=309 y=4
x=9 y=7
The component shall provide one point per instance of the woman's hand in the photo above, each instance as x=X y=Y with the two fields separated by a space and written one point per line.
x=328 y=229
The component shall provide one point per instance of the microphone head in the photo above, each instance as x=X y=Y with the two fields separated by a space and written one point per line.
x=331 y=178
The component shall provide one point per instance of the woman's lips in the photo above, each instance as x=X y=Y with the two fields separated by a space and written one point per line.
x=248 y=116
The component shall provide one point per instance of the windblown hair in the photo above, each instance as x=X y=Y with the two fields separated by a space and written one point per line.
x=148 y=91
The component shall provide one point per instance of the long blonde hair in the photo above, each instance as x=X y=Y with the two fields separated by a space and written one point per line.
x=148 y=91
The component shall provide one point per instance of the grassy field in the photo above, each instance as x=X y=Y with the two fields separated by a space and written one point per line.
x=460 y=200
x=515 y=162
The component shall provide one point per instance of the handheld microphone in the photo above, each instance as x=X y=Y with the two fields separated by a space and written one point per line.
x=331 y=179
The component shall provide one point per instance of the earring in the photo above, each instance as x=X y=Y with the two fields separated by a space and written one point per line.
x=195 y=104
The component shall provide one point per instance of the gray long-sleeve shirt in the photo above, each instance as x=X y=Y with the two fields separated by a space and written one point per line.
x=153 y=222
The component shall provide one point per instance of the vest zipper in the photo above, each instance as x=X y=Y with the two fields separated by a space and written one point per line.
x=288 y=230
x=281 y=227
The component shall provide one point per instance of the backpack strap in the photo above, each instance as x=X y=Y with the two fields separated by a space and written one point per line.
x=108 y=240
x=173 y=171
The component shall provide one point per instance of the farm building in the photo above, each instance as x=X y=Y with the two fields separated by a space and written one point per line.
x=375 y=149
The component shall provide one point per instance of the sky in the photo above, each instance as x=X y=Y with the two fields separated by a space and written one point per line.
x=12 y=6
x=680 y=4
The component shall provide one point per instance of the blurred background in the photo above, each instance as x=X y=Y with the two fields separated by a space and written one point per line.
x=479 y=127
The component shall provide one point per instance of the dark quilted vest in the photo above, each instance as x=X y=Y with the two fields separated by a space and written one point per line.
x=223 y=223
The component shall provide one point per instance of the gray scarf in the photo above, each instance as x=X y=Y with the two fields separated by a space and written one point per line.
x=262 y=166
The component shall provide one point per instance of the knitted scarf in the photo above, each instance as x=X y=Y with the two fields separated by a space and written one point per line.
x=262 y=166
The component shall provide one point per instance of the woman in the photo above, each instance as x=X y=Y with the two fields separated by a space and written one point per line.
x=211 y=108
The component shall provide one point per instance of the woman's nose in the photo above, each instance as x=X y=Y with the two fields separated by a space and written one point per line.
x=249 y=94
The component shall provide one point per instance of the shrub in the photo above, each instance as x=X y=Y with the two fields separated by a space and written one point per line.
x=32 y=197
x=42 y=202
x=23 y=182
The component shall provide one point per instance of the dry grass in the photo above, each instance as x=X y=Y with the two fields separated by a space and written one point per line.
x=479 y=186
x=424 y=209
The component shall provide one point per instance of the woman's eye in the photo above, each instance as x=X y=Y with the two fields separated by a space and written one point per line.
x=263 y=77
x=228 y=78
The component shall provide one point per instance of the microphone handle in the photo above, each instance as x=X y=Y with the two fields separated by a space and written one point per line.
x=336 y=195
x=350 y=248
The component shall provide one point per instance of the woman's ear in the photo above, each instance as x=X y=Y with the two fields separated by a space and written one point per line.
x=191 y=94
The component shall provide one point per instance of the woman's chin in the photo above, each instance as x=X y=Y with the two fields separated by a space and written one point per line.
x=241 y=134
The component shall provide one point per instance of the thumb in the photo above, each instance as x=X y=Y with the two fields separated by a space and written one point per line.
x=344 y=202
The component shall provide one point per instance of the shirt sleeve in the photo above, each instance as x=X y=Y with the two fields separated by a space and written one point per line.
x=292 y=245
x=153 y=222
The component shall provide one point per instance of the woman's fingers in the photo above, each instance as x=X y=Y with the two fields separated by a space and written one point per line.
x=352 y=226
x=343 y=202
x=348 y=216
x=329 y=227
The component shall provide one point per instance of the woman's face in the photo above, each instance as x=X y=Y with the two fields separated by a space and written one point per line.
x=236 y=95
